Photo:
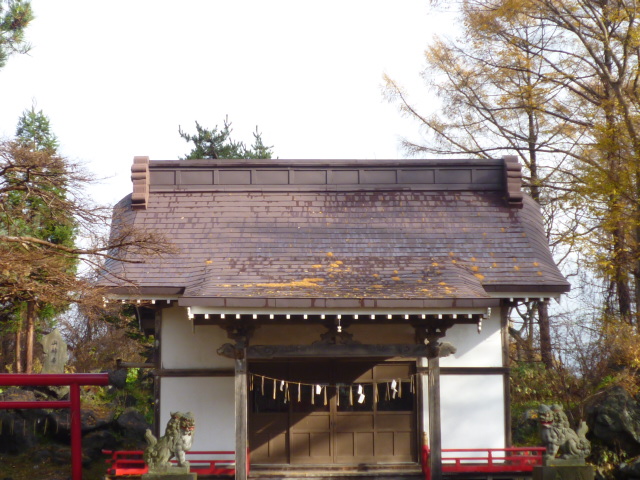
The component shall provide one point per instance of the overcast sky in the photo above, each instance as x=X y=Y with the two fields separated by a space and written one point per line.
x=118 y=77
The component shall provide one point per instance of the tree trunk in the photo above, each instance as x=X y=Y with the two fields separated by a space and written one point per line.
x=620 y=273
x=30 y=334
x=18 y=350
x=546 y=352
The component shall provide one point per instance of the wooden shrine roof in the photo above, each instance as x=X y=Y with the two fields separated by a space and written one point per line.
x=358 y=231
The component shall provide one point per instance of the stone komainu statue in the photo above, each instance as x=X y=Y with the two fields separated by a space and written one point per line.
x=557 y=435
x=176 y=441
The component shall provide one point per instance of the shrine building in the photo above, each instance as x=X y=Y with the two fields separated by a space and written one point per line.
x=323 y=316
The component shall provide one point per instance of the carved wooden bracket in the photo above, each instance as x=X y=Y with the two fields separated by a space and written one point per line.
x=241 y=334
x=433 y=331
x=431 y=334
x=336 y=334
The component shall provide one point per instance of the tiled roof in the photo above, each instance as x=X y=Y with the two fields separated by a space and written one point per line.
x=346 y=230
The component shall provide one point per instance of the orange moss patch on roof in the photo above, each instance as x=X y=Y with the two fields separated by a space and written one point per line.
x=305 y=282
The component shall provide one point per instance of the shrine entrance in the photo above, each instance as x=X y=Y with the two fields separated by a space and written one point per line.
x=332 y=412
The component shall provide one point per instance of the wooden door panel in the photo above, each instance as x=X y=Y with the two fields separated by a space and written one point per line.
x=390 y=371
x=309 y=447
x=320 y=444
x=268 y=438
x=345 y=444
x=312 y=422
x=364 y=449
x=310 y=438
x=384 y=444
x=402 y=444
x=396 y=422
x=269 y=449
x=354 y=422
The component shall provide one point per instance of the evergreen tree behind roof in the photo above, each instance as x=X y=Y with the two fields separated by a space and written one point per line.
x=217 y=143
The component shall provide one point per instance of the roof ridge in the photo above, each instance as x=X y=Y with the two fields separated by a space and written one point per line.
x=502 y=175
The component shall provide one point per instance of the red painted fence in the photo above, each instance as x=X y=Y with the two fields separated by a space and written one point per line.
x=72 y=380
x=130 y=462
x=486 y=460
x=464 y=460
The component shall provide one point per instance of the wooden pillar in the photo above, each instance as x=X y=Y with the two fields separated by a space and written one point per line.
x=76 y=433
x=157 y=379
x=430 y=334
x=423 y=411
x=241 y=334
x=241 y=416
x=435 y=437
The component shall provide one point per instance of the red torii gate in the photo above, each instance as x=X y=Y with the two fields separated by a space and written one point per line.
x=72 y=380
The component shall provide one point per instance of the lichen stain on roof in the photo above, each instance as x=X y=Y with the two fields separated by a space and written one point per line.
x=304 y=283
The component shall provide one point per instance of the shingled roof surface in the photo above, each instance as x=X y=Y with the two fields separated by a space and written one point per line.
x=414 y=230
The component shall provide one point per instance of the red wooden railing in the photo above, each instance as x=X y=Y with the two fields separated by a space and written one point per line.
x=72 y=380
x=130 y=462
x=485 y=460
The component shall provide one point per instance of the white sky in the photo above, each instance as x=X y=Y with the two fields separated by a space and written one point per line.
x=118 y=77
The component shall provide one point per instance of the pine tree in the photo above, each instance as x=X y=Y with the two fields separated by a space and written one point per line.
x=217 y=143
x=15 y=15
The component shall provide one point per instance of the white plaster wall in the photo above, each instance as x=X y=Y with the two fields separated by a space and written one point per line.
x=184 y=348
x=287 y=334
x=373 y=334
x=307 y=334
x=211 y=401
x=472 y=411
x=475 y=349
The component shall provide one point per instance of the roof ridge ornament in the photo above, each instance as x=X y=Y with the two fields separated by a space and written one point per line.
x=513 y=181
x=140 y=178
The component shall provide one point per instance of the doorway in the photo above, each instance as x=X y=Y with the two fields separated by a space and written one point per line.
x=332 y=412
